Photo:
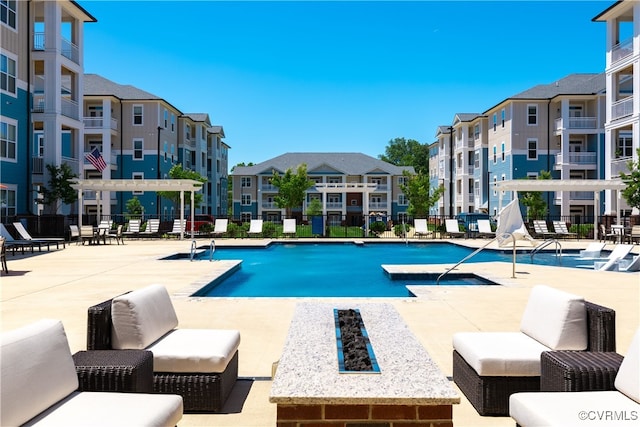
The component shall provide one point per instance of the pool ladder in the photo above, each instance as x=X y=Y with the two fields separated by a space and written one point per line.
x=463 y=260
x=192 y=252
x=212 y=248
x=547 y=243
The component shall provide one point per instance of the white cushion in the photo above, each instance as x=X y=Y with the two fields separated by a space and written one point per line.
x=628 y=377
x=500 y=354
x=36 y=370
x=195 y=350
x=141 y=317
x=103 y=409
x=556 y=319
x=573 y=409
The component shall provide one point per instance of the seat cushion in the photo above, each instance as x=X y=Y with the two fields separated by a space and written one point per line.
x=628 y=377
x=195 y=350
x=141 y=317
x=500 y=354
x=556 y=319
x=572 y=409
x=36 y=370
x=106 y=409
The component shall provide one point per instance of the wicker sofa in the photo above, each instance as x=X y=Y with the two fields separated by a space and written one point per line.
x=39 y=386
x=490 y=366
x=199 y=364
x=619 y=405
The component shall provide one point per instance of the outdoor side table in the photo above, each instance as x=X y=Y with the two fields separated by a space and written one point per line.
x=578 y=370
x=115 y=370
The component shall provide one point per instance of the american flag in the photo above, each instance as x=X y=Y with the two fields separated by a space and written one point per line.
x=96 y=159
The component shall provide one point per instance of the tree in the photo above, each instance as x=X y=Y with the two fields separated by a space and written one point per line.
x=421 y=196
x=407 y=152
x=177 y=172
x=533 y=201
x=59 y=190
x=291 y=188
x=134 y=208
x=632 y=192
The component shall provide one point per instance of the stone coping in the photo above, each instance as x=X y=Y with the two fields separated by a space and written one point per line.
x=307 y=372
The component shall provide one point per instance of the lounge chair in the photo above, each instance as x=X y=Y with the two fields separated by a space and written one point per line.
x=255 y=228
x=43 y=240
x=592 y=250
x=540 y=229
x=178 y=227
x=610 y=263
x=152 y=228
x=490 y=366
x=133 y=228
x=40 y=386
x=74 y=233
x=585 y=407
x=421 y=228
x=453 y=230
x=633 y=266
x=484 y=228
x=289 y=227
x=220 y=226
x=199 y=364
x=561 y=230
x=14 y=244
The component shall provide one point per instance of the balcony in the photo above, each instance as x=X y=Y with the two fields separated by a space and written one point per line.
x=620 y=165
x=99 y=123
x=37 y=165
x=269 y=205
x=575 y=197
x=334 y=205
x=268 y=187
x=622 y=50
x=378 y=205
x=582 y=160
x=68 y=107
x=576 y=123
x=67 y=49
x=622 y=108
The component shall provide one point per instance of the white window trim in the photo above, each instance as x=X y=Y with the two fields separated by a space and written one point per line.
x=536 y=115
x=137 y=175
x=15 y=59
x=536 y=149
x=133 y=115
x=14 y=123
x=133 y=154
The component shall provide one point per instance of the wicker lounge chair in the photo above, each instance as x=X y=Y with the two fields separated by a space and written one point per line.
x=178 y=228
x=490 y=366
x=199 y=364
x=540 y=229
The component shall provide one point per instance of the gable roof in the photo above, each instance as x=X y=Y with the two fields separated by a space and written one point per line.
x=347 y=163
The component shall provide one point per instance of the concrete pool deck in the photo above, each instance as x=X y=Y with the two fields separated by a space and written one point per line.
x=62 y=284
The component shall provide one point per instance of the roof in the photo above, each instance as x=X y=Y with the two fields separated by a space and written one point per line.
x=217 y=130
x=346 y=163
x=197 y=117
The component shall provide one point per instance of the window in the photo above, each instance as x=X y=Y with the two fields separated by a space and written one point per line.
x=137 y=175
x=502 y=154
x=7 y=75
x=532 y=115
x=476 y=132
x=39 y=144
x=532 y=149
x=166 y=118
x=334 y=180
x=8 y=142
x=476 y=159
x=402 y=200
x=495 y=154
x=495 y=121
x=502 y=116
x=138 y=153
x=495 y=181
x=532 y=175
x=187 y=132
x=7 y=202
x=246 y=199
x=173 y=122
x=137 y=115
x=246 y=182
x=624 y=147
x=8 y=9
x=402 y=180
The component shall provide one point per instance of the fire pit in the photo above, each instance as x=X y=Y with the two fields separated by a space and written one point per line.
x=355 y=354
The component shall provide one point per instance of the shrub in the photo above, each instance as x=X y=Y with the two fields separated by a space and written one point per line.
x=378 y=227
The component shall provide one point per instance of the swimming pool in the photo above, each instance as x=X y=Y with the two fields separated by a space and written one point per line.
x=344 y=269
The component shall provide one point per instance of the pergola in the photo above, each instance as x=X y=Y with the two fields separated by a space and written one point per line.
x=594 y=185
x=99 y=185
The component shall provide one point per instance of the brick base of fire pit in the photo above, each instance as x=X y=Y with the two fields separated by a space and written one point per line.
x=410 y=389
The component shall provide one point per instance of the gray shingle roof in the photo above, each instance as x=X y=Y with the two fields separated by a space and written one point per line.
x=573 y=84
x=198 y=117
x=346 y=163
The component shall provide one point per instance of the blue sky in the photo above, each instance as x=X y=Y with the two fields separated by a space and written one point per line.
x=338 y=76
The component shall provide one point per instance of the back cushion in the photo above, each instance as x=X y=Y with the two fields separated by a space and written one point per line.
x=628 y=377
x=36 y=370
x=141 y=317
x=556 y=319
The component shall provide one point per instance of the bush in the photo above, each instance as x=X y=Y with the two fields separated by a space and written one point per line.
x=378 y=227
x=269 y=229
x=398 y=231
x=206 y=228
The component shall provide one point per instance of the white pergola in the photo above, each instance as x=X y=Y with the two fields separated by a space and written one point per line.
x=594 y=185
x=349 y=187
x=100 y=185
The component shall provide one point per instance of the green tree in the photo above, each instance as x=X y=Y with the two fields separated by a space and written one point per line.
x=314 y=208
x=177 y=172
x=407 y=152
x=291 y=188
x=59 y=190
x=420 y=194
x=134 y=208
x=533 y=201
x=632 y=192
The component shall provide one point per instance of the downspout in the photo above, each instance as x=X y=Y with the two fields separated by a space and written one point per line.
x=121 y=163
x=29 y=168
x=548 y=155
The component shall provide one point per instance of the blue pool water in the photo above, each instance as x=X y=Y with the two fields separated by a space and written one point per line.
x=345 y=269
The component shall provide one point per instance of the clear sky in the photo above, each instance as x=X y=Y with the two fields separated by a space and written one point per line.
x=338 y=76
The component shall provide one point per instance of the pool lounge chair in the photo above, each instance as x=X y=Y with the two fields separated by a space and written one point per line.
x=634 y=236
x=484 y=228
x=561 y=230
x=453 y=230
x=592 y=250
x=289 y=227
x=633 y=266
x=152 y=228
x=74 y=233
x=178 y=228
x=540 y=229
x=610 y=263
x=255 y=228
x=13 y=244
x=133 y=228
x=421 y=228
x=44 y=240
x=220 y=226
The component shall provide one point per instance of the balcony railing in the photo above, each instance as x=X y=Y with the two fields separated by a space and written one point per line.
x=269 y=205
x=378 y=205
x=622 y=108
x=67 y=49
x=334 y=205
x=37 y=165
x=582 y=158
x=620 y=165
x=581 y=123
x=268 y=187
x=72 y=163
x=98 y=123
x=622 y=50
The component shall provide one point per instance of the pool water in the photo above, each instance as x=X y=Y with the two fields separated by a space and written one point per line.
x=344 y=269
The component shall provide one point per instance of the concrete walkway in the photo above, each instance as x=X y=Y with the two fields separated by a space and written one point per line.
x=62 y=284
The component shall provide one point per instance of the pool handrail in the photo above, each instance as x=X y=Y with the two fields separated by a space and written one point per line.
x=463 y=260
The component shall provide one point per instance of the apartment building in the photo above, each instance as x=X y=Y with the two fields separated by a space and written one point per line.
x=622 y=112
x=41 y=92
x=142 y=136
x=349 y=185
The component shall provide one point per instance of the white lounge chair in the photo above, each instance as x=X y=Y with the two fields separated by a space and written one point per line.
x=74 y=233
x=289 y=226
x=152 y=228
x=568 y=408
x=220 y=226
x=255 y=228
x=611 y=262
x=178 y=227
x=421 y=228
x=484 y=228
x=540 y=229
x=633 y=266
x=592 y=250
x=133 y=227
x=561 y=230
x=43 y=240
x=453 y=230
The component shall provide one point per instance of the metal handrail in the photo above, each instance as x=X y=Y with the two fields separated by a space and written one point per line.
x=212 y=249
x=463 y=260
x=193 y=250
x=545 y=244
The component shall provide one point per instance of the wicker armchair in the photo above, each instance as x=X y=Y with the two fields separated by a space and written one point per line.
x=201 y=391
x=489 y=394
